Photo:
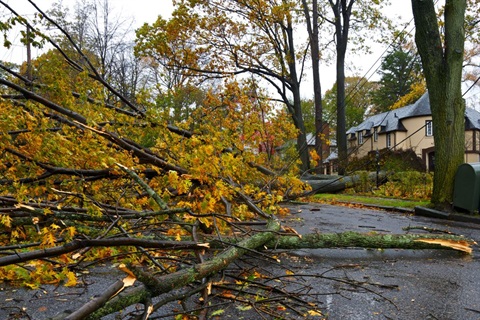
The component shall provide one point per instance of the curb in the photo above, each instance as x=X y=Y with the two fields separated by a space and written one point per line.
x=432 y=213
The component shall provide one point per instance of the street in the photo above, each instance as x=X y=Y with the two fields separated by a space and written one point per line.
x=398 y=284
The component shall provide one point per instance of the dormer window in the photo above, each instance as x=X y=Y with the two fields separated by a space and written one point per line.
x=360 y=137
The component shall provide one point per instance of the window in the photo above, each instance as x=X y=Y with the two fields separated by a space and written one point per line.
x=360 y=137
x=389 y=140
x=375 y=134
x=477 y=144
x=428 y=128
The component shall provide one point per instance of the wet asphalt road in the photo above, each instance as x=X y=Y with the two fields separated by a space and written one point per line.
x=404 y=284
x=345 y=284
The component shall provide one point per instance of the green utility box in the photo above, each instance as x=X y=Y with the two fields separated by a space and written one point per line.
x=466 y=192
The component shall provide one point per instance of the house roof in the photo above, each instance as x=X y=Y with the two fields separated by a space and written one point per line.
x=311 y=140
x=472 y=119
x=391 y=120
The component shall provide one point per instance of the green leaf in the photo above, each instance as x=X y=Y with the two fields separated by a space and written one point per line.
x=244 y=308
x=218 y=312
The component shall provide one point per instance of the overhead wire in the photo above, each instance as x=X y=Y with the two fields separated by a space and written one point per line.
x=360 y=85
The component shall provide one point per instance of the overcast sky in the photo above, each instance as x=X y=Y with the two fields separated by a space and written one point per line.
x=141 y=10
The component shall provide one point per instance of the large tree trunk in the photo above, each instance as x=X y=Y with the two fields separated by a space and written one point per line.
x=302 y=145
x=442 y=65
x=333 y=184
x=342 y=11
x=312 y=28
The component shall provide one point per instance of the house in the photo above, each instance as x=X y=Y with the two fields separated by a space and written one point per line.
x=410 y=127
x=329 y=150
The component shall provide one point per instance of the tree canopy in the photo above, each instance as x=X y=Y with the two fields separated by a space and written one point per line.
x=212 y=40
x=359 y=103
x=400 y=72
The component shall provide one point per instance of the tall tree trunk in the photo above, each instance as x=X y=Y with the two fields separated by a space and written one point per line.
x=312 y=28
x=342 y=11
x=341 y=115
x=302 y=145
x=442 y=65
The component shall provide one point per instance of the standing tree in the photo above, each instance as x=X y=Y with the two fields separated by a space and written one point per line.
x=442 y=59
x=211 y=40
x=313 y=31
x=349 y=16
x=358 y=101
x=400 y=69
x=107 y=39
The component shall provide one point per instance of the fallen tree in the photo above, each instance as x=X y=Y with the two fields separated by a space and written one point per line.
x=334 y=184
x=153 y=286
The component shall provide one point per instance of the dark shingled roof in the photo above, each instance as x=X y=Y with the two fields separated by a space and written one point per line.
x=392 y=120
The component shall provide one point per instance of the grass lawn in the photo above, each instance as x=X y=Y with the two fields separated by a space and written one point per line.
x=370 y=200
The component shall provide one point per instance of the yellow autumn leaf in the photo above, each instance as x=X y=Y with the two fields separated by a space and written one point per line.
x=289 y=272
x=71 y=231
x=71 y=279
x=314 y=313
x=31 y=285
x=209 y=150
x=54 y=226
x=6 y=220
x=460 y=245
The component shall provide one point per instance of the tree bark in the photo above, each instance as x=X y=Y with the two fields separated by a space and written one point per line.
x=351 y=239
x=312 y=28
x=181 y=278
x=329 y=184
x=442 y=65
x=342 y=11
x=302 y=144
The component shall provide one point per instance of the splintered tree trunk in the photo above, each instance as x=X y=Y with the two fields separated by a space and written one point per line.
x=442 y=65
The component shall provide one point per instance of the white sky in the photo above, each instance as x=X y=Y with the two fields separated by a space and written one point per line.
x=140 y=11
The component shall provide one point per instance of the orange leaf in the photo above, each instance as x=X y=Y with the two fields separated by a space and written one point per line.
x=124 y=268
